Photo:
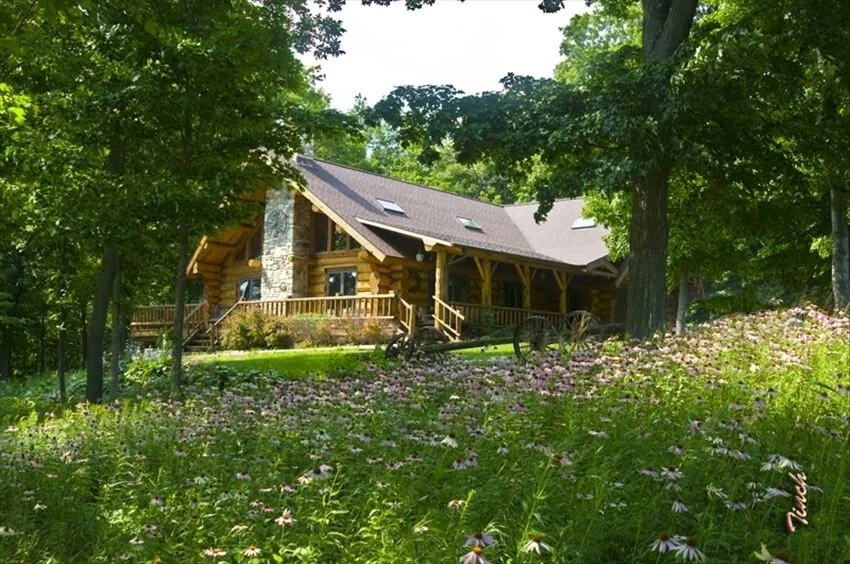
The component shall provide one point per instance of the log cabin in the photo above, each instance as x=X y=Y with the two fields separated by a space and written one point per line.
x=354 y=243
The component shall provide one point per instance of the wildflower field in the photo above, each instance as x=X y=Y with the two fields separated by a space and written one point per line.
x=679 y=449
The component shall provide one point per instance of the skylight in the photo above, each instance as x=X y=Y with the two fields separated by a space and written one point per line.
x=469 y=223
x=584 y=223
x=389 y=206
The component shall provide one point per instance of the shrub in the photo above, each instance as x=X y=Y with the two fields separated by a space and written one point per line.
x=255 y=330
x=310 y=330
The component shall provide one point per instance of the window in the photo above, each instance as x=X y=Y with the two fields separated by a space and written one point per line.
x=584 y=223
x=253 y=247
x=390 y=206
x=328 y=236
x=321 y=230
x=458 y=289
x=341 y=282
x=339 y=239
x=513 y=294
x=248 y=289
x=469 y=223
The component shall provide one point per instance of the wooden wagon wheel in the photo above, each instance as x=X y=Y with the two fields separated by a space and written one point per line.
x=578 y=327
x=536 y=335
x=397 y=347
x=422 y=339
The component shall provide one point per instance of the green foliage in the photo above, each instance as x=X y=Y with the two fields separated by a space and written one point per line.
x=256 y=330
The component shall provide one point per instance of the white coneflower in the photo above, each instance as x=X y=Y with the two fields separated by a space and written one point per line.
x=695 y=426
x=7 y=532
x=650 y=472
x=39 y=506
x=244 y=476
x=765 y=556
x=736 y=505
x=714 y=491
x=665 y=542
x=285 y=518
x=456 y=503
x=535 y=545
x=459 y=464
x=251 y=550
x=449 y=441
x=420 y=529
x=671 y=473
x=672 y=486
x=774 y=492
x=214 y=553
x=474 y=556
x=679 y=507
x=238 y=528
x=687 y=550
x=480 y=538
x=678 y=450
x=503 y=450
x=136 y=541
x=779 y=462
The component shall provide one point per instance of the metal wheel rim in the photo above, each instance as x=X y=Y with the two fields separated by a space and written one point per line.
x=535 y=334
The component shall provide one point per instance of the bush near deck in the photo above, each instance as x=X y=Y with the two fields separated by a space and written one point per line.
x=257 y=330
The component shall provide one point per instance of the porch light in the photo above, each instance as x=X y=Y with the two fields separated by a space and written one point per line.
x=420 y=256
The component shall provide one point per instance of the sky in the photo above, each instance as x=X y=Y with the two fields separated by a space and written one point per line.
x=470 y=45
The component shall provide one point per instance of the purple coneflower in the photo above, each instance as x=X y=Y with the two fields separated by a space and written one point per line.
x=449 y=441
x=665 y=542
x=679 y=507
x=687 y=550
x=474 y=556
x=251 y=550
x=285 y=518
x=736 y=505
x=765 y=556
x=678 y=450
x=214 y=553
x=535 y=545
x=480 y=538
x=671 y=473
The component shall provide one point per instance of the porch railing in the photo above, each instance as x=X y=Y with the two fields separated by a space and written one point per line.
x=155 y=315
x=407 y=315
x=448 y=319
x=502 y=316
x=372 y=305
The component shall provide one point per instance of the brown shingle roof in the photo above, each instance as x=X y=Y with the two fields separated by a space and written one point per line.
x=433 y=213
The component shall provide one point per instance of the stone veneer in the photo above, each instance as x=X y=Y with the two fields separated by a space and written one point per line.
x=286 y=235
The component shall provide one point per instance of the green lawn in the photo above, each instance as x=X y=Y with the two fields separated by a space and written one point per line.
x=301 y=362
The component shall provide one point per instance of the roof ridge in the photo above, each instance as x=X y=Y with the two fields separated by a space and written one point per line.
x=407 y=182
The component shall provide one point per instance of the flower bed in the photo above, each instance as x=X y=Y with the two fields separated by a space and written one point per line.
x=675 y=449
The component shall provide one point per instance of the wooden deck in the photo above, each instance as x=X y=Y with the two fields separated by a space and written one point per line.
x=149 y=322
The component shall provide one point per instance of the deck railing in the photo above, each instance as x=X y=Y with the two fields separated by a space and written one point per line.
x=448 y=319
x=372 y=305
x=154 y=315
x=502 y=316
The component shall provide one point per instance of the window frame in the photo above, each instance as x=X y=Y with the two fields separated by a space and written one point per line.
x=249 y=280
x=342 y=271
x=351 y=244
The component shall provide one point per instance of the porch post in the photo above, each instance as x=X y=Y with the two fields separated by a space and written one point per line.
x=485 y=272
x=525 y=277
x=441 y=281
x=563 y=280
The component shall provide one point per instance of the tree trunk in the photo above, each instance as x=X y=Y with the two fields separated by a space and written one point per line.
x=647 y=304
x=682 y=308
x=840 y=245
x=115 y=352
x=84 y=334
x=97 y=324
x=60 y=354
x=179 y=307
x=666 y=25
x=6 y=352
x=41 y=343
